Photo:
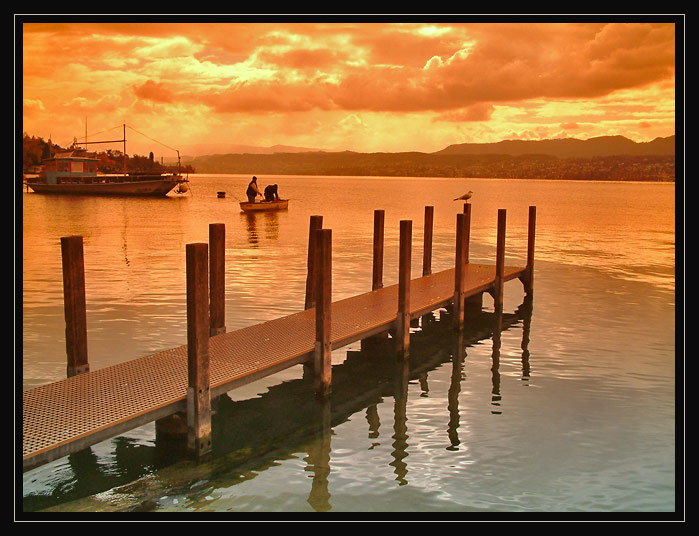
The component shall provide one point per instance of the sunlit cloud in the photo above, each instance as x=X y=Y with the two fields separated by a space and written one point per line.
x=423 y=85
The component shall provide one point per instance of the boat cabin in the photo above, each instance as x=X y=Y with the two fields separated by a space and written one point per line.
x=68 y=166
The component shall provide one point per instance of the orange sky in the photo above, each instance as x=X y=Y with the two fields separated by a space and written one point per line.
x=365 y=87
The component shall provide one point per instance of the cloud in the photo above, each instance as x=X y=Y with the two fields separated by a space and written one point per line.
x=458 y=79
x=153 y=91
x=477 y=112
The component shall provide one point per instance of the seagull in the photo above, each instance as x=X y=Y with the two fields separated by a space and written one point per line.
x=465 y=196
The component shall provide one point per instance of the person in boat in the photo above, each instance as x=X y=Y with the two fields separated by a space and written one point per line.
x=271 y=193
x=253 y=191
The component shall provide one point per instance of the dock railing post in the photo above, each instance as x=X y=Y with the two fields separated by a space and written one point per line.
x=377 y=265
x=472 y=304
x=427 y=247
x=459 y=271
x=217 y=276
x=404 y=269
x=198 y=388
x=316 y=222
x=529 y=278
x=500 y=261
x=322 y=358
x=74 y=304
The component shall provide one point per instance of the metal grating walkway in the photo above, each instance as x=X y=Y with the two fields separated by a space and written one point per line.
x=71 y=414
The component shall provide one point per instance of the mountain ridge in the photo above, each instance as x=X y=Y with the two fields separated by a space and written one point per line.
x=558 y=147
x=569 y=147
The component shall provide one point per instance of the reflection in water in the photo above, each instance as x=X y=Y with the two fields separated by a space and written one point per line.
x=527 y=308
x=400 y=421
x=372 y=417
x=250 y=435
x=270 y=221
x=319 y=458
x=253 y=238
x=457 y=375
x=495 y=369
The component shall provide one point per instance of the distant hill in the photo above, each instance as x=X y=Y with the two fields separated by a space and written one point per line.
x=603 y=158
x=568 y=147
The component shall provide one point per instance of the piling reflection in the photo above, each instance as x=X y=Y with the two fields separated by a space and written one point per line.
x=495 y=369
x=258 y=431
x=457 y=376
x=400 y=421
x=318 y=458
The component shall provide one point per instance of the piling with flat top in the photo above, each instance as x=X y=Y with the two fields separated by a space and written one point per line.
x=460 y=271
x=427 y=245
x=404 y=268
x=500 y=260
x=473 y=305
x=315 y=224
x=217 y=277
x=74 y=304
x=529 y=277
x=377 y=263
x=322 y=356
x=198 y=374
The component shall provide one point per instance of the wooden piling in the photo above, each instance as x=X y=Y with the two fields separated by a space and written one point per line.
x=198 y=374
x=217 y=278
x=500 y=260
x=316 y=223
x=404 y=269
x=322 y=360
x=74 y=304
x=427 y=245
x=467 y=231
x=529 y=277
x=377 y=264
x=459 y=271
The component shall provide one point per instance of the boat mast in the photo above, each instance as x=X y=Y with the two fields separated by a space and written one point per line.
x=124 y=148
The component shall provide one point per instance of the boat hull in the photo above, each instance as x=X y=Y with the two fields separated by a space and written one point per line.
x=155 y=187
x=265 y=206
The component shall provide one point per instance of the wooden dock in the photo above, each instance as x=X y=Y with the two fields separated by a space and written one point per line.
x=87 y=407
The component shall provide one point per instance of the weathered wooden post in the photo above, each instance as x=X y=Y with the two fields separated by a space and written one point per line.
x=529 y=278
x=198 y=394
x=460 y=271
x=377 y=267
x=316 y=223
x=217 y=277
x=427 y=247
x=74 y=305
x=472 y=304
x=322 y=359
x=404 y=268
x=500 y=260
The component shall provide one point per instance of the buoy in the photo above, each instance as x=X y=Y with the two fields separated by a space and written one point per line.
x=182 y=188
x=221 y=194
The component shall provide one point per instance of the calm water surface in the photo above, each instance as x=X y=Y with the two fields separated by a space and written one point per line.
x=570 y=408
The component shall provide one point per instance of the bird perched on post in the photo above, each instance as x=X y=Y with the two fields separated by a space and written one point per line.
x=465 y=196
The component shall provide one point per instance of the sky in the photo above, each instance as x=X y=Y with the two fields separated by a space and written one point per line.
x=367 y=86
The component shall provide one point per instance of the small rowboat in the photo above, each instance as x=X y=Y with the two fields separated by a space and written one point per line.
x=264 y=206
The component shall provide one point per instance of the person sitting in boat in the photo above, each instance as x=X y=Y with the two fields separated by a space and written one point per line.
x=271 y=193
x=253 y=191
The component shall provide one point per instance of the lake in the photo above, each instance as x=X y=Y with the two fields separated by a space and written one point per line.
x=569 y=409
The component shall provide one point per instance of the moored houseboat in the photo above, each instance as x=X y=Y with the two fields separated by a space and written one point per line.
x=75 y=172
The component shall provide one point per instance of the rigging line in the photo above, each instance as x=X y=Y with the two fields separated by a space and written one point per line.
x=98 y=133
x=156 y=141
x=102 y=132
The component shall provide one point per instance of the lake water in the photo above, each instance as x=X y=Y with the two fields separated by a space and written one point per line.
x=570 y=408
